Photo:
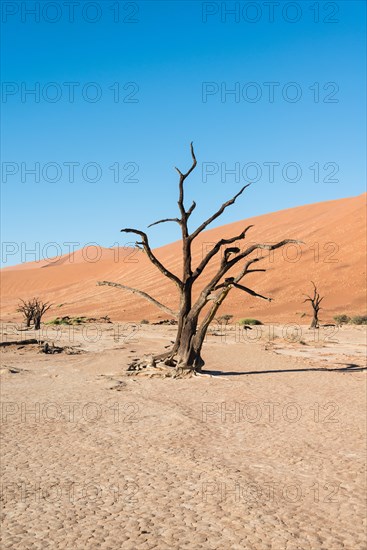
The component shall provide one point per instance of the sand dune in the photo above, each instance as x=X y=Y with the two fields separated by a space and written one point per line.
x=333 y=255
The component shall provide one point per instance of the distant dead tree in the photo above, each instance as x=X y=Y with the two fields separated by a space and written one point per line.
x=315 y=303
x=223 y=319
x=27 y=307
x=33 y=310
x=184 y=358
x=40 y=310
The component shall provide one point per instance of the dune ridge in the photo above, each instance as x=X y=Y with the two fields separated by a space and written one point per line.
x=333 y=255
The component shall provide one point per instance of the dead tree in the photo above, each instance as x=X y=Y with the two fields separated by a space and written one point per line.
x=39 y=311
x=27 y=307
x=184 y=358
x=315 y=303
x=223 y=319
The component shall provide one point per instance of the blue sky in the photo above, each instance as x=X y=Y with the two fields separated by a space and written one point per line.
x=172 y=64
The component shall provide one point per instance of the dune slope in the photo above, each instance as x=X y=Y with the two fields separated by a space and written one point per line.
x=333 y=255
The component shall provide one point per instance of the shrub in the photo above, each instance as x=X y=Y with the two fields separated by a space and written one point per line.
x=106 y=318
x=359 y=320
x=144 y=322
x=342 y=319
x=66 y=320
x=56 y=321
x=224 y=319
x=249 y=322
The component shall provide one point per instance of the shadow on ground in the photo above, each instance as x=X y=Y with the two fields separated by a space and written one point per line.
x=349 y=367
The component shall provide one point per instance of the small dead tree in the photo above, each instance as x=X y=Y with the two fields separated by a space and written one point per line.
x=27 y=307
x=39 y=311
x=223 y=319
x=184 y=358
x=315 y=301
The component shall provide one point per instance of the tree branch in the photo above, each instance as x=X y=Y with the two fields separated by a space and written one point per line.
x=152 y=257
x=191 y=209
x=315 y=300
x=224 y=268
x=181 y=182
x=194 y=163
x=165 y=220
x=220 y=297
x=233 y=282
x=252 y=292
x=216 y=249
x=142 y=294
x=217 y=213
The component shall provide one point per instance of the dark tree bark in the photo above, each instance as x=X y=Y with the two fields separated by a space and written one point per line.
x=315 y=301
x=185 y=355
x=28 y=309
x=40 y=310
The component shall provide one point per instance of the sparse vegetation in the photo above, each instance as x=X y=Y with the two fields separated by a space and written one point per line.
x=66 y=320
x=165 y=322
x=144 y=322
x=342 y=319
x=106 y=318
x=359 y=320
x=249 y=322
x=78 y=320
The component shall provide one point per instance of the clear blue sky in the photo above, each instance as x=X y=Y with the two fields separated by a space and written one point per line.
x=169 y=50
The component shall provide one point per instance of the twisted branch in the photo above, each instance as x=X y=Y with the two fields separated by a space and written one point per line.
x=217 y=213
x=152 y=257
x=142 y=294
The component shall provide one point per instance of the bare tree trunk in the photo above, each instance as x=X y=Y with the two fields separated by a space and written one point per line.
x=37 y=323
x=188 y=358
x=315 y=301
x=185 y=355
x=315 y=320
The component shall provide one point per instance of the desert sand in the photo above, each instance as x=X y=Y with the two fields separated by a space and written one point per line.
x=264 y=450
x=333 y=255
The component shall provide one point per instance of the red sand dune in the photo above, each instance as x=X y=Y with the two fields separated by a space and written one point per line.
x=334 y=233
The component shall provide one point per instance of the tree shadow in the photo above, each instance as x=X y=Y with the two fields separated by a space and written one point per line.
x=349 y=367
